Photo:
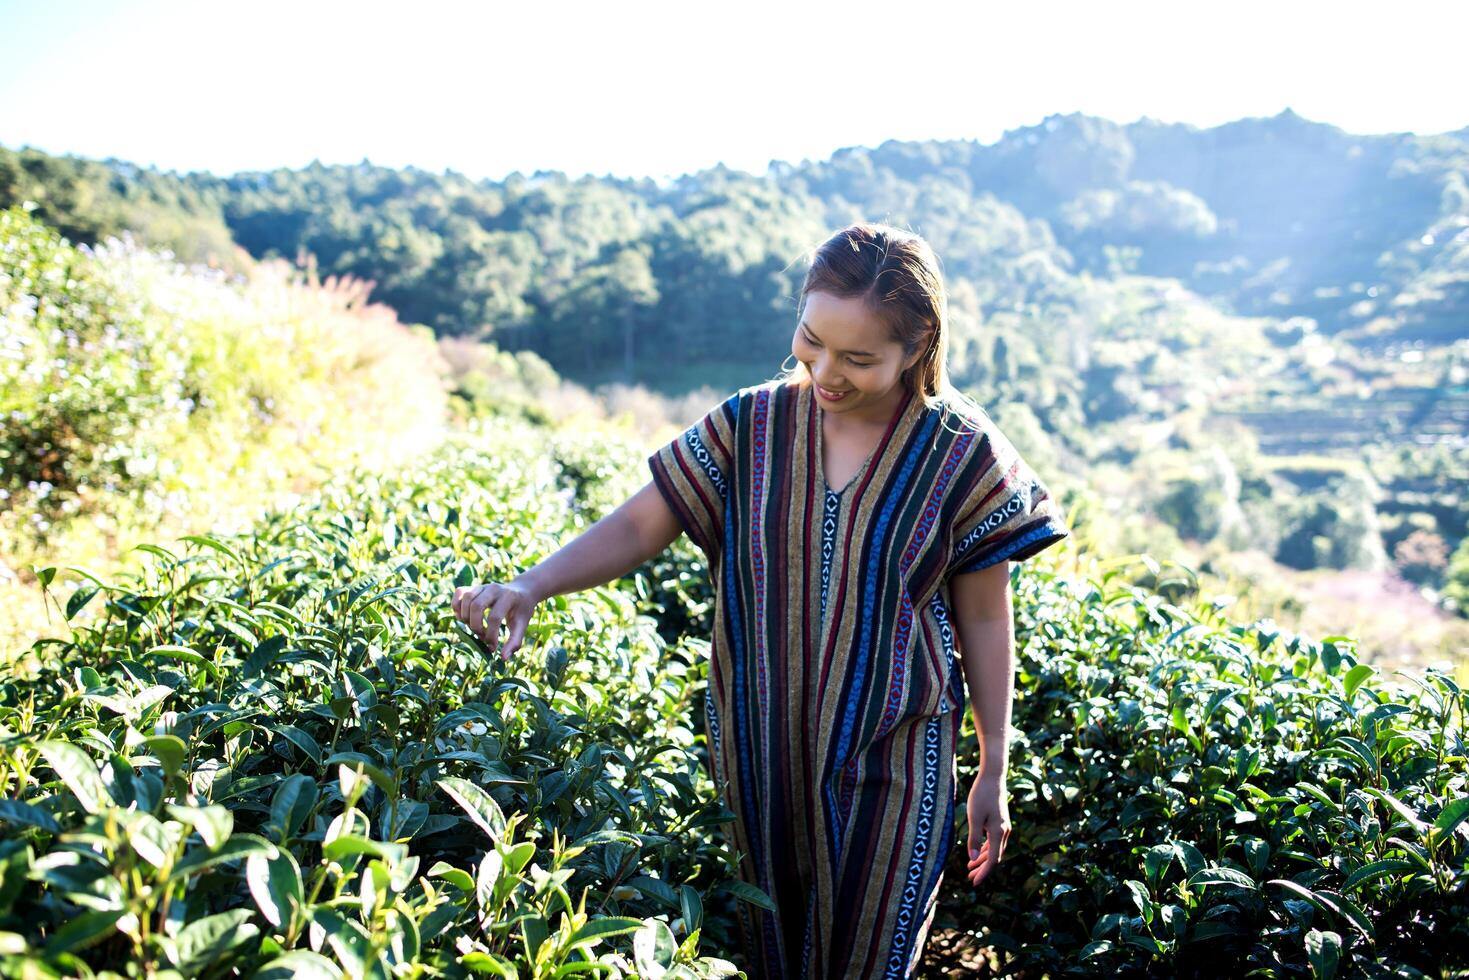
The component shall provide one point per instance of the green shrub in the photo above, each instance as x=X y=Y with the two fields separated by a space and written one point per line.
x=282 y=752
x=135 y=392
x=597 y=471
x=1197 y=798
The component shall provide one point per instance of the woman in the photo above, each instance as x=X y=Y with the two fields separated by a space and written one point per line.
x=859 y=517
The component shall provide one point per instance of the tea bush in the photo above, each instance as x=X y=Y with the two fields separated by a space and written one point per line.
x=597 y=471
x=1191 y=797
x=134 y=391
x=280 y=754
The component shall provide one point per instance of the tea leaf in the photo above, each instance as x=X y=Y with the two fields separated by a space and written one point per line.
x=740 y=890
x=483 y=810
x=293 y=802
x=1375 y=870
x=275 y=884
x=17 y=812
x=299 y=964
x=169 y=750
x=301 y=740
x=459 y=879
x=1221 y=876
x=204 y=941
x=78 y=772
x=598 y=929
x=1451 y=816
x=1324 y=951
x=237 y=848
x=185 y=655
x=84 y=930
x=209 y=542
x=1354 y=678
x=79 y=600
x=213 y=823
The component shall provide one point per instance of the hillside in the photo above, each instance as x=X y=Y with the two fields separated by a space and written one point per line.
x=253 y=738
x=1270 y=313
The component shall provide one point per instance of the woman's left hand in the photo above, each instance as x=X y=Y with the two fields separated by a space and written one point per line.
x=989 y=818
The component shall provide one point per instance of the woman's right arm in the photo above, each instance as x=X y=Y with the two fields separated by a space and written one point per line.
x=640 y=528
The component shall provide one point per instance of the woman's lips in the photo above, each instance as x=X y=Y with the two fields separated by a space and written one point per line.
x=832 y=396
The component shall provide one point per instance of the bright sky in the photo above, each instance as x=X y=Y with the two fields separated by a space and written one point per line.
x=639 y=88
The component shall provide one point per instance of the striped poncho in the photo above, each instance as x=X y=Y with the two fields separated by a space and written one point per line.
x=835 y=691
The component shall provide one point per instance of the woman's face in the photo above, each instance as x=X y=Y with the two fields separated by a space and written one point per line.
x=851 y=359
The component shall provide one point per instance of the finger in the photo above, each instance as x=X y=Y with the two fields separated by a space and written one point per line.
x=993 y=846
x=984 y=869
x=463 y=596
x=517 y=634
x=454 y=599
x=477 y=607
x=978 y=818
x=498 y=612
x=1004 y=839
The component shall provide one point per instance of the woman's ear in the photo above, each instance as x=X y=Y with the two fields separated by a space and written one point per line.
x=923 y=348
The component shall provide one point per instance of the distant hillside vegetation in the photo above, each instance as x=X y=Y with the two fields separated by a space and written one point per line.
x=1271 y=313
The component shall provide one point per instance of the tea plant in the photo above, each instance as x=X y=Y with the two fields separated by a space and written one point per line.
x=597 y=473
x=1192 y=797
x=280 y=753
x=137 y=394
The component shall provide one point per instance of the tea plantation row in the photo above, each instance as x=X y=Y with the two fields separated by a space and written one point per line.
x=280 y=755
x=1192 y=797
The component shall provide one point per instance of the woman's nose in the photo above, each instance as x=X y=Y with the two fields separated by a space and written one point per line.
x=823 y=374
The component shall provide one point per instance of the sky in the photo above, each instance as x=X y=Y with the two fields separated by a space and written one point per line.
x=659 y=89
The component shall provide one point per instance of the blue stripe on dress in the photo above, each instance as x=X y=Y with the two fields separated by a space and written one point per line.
x=904 y=928
x=1007 y=549
x=920 y=448
x=742 y=729
x=828 y=545
x=828 y=541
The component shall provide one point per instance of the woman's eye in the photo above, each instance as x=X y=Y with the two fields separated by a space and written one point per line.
x=855 y=363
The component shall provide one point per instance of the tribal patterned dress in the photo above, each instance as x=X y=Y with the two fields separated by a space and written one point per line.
x=835 y=689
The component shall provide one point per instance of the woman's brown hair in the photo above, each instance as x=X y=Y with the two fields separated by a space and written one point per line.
x=900 y=278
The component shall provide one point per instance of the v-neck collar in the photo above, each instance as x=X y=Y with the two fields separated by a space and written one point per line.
x=892 y=439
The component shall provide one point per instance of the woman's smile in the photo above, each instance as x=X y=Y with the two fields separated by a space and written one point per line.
x=832 y=396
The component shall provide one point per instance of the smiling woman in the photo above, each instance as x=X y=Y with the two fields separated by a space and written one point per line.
x=842 y=509
x=839 y=505
x=856 y=367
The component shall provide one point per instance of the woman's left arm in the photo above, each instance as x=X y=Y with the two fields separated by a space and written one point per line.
x=985 y=622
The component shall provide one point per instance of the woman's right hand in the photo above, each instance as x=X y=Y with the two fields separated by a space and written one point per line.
x=483 y=608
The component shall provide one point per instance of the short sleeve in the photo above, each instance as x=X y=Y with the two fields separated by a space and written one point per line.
x=1006 y=512
x=693 y=473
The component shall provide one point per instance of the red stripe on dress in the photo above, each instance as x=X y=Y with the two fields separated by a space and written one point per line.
x=713 y=434
x=935 y=652
x=1000 y=485
x=693 y=481
x=664 y=478
x=901 y=834
x=811 y=789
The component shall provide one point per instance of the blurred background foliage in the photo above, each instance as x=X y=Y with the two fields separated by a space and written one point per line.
x=1242 y=347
